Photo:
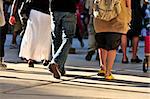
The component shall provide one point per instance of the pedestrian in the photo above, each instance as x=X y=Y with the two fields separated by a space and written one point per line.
x=133 y=33
x=16 y=31
x=36 y=41
x=109 y=30
x=79 y=27
x=2 y=35
x=91 y=32
x=65 y=26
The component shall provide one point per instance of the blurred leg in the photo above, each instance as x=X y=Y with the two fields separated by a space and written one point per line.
x=111 y=55
x=124 y=48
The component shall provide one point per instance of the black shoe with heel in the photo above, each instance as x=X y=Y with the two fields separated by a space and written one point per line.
x=137 y=60
x=89 y=55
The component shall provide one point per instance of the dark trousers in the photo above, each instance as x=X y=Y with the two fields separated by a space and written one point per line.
x=3 y=31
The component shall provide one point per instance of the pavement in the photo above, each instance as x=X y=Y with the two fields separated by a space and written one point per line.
x=80 y=82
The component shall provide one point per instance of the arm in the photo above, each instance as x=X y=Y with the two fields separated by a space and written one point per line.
x=14 y=9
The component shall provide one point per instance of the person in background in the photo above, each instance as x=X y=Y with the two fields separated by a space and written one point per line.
x=36 y=41
x=133 y=33
x=16 y=30
x=2 y=35
x=65 y=25
x=91 y=32
x=108 y=37
x=79 y=27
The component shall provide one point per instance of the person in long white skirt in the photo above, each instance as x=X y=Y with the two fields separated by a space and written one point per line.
x=36 y=42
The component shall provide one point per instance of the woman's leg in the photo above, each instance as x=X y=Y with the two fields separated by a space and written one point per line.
x=124 y=48
x=104 y=58
x=111 y=55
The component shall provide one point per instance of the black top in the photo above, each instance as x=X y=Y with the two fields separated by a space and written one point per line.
x=64 y=5
x=40 y=5
x=136 y=21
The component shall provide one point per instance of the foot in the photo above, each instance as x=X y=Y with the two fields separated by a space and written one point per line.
x=109 y=77
x=45 y=62
x=13 y=46
x=31 y=63
x=89 y=55
x=101 y=73
x=62 y=72
x=136 y=60
x=125 y=61
x=3 y=66
x=54 y=68
x=82 y=44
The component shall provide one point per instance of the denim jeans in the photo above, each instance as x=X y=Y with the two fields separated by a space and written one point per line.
x=64 y=31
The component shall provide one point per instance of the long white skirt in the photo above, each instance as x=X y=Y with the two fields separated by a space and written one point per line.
x=36 y=42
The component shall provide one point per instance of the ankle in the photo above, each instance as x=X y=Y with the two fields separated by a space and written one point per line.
x=108 y=73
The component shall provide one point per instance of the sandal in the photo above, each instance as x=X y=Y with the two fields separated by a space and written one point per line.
x=101 y=73
x=109 y=77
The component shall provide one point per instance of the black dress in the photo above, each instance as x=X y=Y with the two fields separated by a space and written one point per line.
x=136 y=22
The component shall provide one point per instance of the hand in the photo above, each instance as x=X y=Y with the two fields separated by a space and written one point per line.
x=12 y=20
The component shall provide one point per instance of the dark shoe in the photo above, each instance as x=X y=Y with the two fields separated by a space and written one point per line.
x=82 y=44
x=63 y=72
x=120 y=50
x=54 y=68
x=31 y=63
x=45 y=62
x=89 y=55
x=72 y=51
x=125 y=62
x=137 y=60
x=3 y=67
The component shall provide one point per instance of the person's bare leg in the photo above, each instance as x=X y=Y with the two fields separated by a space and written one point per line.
x=104 y=58
x=124 y=48
x=14 y=38
x=111 y=55
x=135 y=42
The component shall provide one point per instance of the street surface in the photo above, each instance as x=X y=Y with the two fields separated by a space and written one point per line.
x=80 y=82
